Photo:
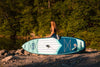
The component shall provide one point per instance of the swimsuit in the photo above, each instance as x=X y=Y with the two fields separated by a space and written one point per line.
x=54 y=35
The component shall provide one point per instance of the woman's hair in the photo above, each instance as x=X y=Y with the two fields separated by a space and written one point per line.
x=52 y=21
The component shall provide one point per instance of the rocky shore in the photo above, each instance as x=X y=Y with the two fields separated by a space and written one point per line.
x=22 y=58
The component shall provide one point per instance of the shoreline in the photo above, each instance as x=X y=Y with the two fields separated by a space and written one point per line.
x=22 y=58
x=28 y=37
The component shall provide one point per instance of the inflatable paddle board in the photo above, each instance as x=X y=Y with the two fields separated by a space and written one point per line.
x=53 y=46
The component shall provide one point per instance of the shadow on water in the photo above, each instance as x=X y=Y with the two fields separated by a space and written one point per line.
x=79 y=61
x=11 y=44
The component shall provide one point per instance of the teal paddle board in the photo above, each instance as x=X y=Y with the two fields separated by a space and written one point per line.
x=53 y=46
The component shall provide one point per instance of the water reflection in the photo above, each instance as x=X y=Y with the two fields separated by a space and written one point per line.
x=11 y=44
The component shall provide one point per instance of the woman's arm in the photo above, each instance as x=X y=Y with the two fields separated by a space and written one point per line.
x=52 y=29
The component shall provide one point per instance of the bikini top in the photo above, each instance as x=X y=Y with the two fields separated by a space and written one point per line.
x=54 y=31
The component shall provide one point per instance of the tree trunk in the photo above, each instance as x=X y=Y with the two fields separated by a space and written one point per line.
x=48 y=3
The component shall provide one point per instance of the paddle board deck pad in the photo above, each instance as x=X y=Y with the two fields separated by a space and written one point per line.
x=53 y=46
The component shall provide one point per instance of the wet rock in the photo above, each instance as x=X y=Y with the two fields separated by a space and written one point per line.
x=2 y=52
x=19 y=52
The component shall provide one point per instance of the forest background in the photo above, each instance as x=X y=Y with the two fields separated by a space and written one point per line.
x=74 y=18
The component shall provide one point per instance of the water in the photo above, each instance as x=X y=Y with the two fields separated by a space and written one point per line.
x=11 y=44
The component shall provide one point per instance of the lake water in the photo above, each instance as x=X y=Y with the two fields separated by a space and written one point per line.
x=11 y=44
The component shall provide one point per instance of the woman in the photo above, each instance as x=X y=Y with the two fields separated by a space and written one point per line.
x=53 y=30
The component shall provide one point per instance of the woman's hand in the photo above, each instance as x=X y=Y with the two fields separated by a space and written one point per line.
x=47 y=36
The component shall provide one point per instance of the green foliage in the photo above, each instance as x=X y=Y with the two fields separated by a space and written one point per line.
x=9 y=44
x=76 y=18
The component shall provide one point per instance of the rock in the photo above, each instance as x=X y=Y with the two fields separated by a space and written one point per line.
x=95 y=49
x=35 y=54
x=19 y=52
x=22 y=52
x=11 y=52
x=6 y=59
x=90 y=50
x=5 y=54
x=2 y=52
x=32 y=34
x=26 y=53
x=99 y=52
